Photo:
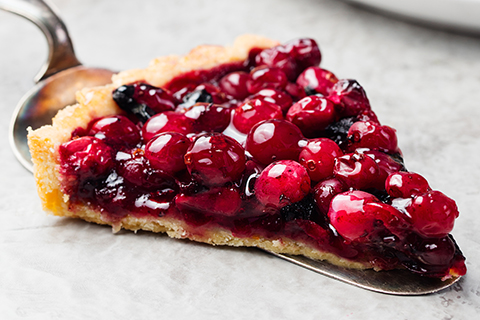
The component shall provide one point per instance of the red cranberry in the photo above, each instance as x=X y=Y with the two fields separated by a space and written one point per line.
x=318 y=157
x=317 y=79
x=138 y=172
x=86 y=157
x=406 y=184
x=223 y=201
x=324 y=192
x=208 y=117
x=158 y=99
x=368 y=115
x=349 y=97
x=435 y=251
x=264 y=77
x=215 y=159
x=282 y=183
x=235 y=84
x=386 y=164
x=166 y=151
x=278 y=97
x=305 y=51
x=357 y=171
x=433 y=214
x=252 y=112
x=116 y=130
x=168 y=121
x=365 y=134
x=273 y=140
x=356 y=216
x=295 y=91
x=312 y=115
x=277 y=57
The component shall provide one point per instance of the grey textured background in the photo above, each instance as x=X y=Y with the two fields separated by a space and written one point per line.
x=423 y=82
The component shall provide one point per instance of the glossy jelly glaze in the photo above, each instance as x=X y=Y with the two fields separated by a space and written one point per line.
x=273 y=147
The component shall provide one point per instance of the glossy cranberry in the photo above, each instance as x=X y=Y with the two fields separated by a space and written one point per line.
x=433 y=214
x=282 y=183
x=208 y=117
x=166 y=151
x=295 y=91
x=155 y=203
x=368 y=115
x=366 y=134
x=158 y=99
x=318 y=80
x=86 y=157
x=324 y=192
x=168 y=121
x=312 y=115
x=278 y=97
x=265 y=77
x=318 y=157
x=357 y=215
x=434 y=251
x=305 y=51
x=224 y=201
x=274 y=140
x=252 y=112
x=406 y=185
x=386 y=164
x=277 y=57
x=218 y=97
x=116 y=130
x=357 y=171
x=137 y=171
x=349 y=97
x=235 y=84
x=215 y=159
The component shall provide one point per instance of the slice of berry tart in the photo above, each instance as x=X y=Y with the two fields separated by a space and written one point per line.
x=249 y=145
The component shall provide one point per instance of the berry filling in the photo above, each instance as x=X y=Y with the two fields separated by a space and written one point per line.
x=273 y=147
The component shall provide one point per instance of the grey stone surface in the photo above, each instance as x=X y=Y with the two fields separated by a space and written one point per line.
x=423 y=82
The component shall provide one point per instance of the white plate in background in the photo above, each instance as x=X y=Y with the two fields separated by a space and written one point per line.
x=462 y=15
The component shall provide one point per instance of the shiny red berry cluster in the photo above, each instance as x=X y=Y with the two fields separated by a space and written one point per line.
x=257 y=147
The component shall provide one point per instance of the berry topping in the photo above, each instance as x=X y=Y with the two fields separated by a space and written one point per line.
x=434 y=251
x=305 y=51
x=274 y=140
x=166 y=151
x=318 y=157
x=86 y=157
x=406 y=185
x=432 y=214
x=349 y=97
x=223 y=201
x=265 y=77
x=324 y=192
x=312 y=115
x=116 y=130
x=277 y=57
x=357 y=171
x=278 y=97
x=235 y=84
x=359 y=216
x=366 y=134
x=157 y=99
x=317 y=80
x=215 y=159
x=252 y=112
x=282 y=183
x=208 y=117
x=124 y=97
x=168 y=121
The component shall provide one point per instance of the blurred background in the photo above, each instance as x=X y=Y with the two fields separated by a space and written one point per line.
x=422 y=79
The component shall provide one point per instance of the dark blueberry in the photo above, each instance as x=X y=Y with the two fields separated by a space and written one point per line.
x=123 y=96
x=338 y=131
x=305 y=209
x=196 y=96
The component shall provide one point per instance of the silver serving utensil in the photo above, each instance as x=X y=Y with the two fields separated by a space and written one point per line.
x=63 y=75
x=58 y=80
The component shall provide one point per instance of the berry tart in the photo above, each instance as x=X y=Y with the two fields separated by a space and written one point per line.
x=248 y=145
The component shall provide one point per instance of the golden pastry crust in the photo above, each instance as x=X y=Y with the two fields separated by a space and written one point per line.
x=97 y=102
